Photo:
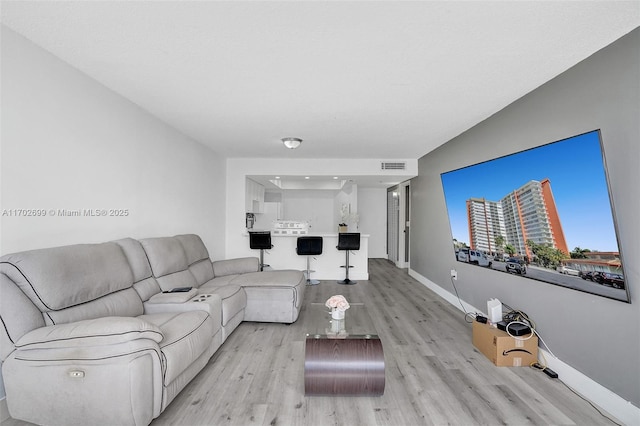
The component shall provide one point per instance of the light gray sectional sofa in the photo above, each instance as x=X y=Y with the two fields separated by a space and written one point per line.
x=89 y=336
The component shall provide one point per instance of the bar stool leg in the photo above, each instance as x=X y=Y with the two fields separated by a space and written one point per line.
x=261 y=260
x=309 y=280
x=347 y=281
x=262 y=265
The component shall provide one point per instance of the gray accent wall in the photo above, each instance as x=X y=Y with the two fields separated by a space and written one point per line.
x=597 y=336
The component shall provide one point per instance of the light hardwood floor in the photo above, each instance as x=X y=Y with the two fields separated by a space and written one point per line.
x=434 y=375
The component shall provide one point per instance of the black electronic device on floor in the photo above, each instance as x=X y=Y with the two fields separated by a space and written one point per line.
x=515 y=328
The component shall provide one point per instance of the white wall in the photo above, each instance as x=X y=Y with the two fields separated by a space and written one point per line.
x=316 y=206
x=70 y=143
x=321 y=207
x=372 y=203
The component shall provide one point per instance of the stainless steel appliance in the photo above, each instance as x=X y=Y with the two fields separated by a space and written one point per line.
x=251 y=220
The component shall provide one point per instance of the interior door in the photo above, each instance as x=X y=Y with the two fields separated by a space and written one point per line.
x=407 y=222
x=393 y=210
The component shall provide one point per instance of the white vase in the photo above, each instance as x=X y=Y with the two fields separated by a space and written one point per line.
x=337 y=314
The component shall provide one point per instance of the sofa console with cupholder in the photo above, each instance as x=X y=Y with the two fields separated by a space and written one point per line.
x=93 y=334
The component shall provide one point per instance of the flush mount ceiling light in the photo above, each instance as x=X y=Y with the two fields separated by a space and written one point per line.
x=291 y=143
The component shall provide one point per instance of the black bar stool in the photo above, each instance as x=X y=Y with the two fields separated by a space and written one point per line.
x=309 y=246
x=260 y=240
x=348 y=241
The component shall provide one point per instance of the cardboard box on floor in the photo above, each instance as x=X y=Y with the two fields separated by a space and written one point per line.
x=502 y=349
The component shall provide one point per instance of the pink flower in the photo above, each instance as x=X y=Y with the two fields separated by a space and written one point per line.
x=338 y=302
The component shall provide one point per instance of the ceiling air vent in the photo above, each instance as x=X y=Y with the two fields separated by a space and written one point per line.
x=393 y=166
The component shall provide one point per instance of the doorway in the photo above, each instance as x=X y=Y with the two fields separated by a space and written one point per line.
x=393 y=210
x=398 y=224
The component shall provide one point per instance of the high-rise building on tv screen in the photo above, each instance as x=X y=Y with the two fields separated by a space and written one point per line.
x=527 y=213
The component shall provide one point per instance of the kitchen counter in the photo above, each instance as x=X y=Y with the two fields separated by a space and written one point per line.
x=326 y=266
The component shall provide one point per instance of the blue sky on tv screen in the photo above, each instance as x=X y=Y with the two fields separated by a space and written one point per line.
x=575 y=169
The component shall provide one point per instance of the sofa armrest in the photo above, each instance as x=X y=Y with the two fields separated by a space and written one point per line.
x=210 y=303
x=179 y=297
x=95 y=332
x=241 y=265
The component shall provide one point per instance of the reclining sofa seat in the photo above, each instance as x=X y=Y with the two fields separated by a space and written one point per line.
x=75 y=345
x=183 y=261
x=146 y=286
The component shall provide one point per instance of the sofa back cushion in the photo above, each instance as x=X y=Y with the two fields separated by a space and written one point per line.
x=168 y=261
x=73 y=283
x=240 y=265
x=61 y=277
x=193 y=247
x=166 y=255
x=143 y=281
x=136 y=257
x=197 y=257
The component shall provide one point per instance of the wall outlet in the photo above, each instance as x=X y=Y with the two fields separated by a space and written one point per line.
x=454 y=274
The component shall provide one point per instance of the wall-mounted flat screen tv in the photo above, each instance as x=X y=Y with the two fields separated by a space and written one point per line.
x=544 y=214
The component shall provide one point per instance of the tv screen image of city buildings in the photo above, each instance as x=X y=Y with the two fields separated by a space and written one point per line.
x=544 y=214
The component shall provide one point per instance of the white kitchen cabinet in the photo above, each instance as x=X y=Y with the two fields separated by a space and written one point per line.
x=254 y=197
x=273 y=205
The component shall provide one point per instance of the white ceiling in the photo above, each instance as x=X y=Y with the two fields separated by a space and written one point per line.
x=387 y=80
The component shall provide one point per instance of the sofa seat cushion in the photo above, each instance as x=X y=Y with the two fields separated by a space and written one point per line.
x=96 y=332
x=234 y=298
x=272 y=296
x=187 y=335
x=287 y=278
x=218 y=282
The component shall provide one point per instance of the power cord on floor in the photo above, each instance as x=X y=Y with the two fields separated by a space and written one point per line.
x=543 y=367
x=467 y=315
x=591 y=404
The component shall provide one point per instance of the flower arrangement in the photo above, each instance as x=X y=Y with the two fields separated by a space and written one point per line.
x=347 y=217
x=337 y=302
x=345 y=212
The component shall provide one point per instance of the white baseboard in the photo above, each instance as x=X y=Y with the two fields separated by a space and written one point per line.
x=621 y=410
x=449 y=297
x=4 y=411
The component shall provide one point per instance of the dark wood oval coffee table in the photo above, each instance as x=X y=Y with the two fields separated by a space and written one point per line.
x=342 y=357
